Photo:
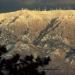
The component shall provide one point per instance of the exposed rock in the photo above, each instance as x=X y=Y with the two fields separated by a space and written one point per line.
x=52 y=38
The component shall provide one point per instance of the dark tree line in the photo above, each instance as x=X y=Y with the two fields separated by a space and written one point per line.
x=21 y=66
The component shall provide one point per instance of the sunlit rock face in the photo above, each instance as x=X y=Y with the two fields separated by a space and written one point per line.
x=40 y=34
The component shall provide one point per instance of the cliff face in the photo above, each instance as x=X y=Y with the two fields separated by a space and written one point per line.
x=40 y=33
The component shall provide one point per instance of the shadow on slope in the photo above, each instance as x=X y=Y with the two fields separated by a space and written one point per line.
x=21 y=66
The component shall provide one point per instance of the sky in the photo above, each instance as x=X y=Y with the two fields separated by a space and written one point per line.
x=32 y=4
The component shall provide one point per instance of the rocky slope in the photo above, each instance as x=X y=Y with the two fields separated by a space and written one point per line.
x=41 y=33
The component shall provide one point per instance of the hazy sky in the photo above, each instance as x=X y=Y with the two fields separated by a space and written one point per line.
x=37 y=0
x=18 y=4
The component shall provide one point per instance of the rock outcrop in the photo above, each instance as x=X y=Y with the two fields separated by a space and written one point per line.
x=40 y=33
